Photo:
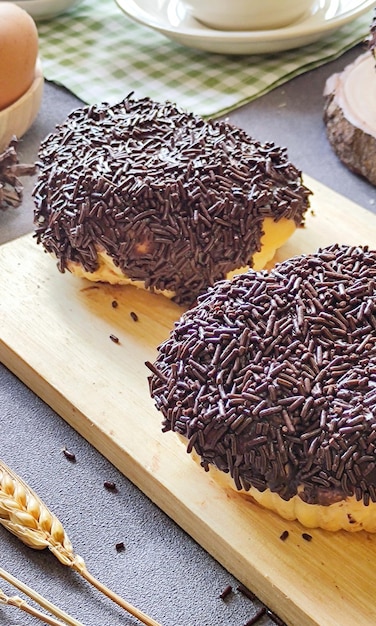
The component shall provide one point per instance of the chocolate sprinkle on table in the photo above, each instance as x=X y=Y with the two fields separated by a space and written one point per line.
x=246 y=592
x=109 y=485
x=277 y=620
x=260 y=613
x=226 y=592
x=175 y=201
x=69 y=455
x=114 y=339
x=272 y=377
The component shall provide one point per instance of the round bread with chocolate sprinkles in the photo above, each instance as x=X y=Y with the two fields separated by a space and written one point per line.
x=144 y=192
x=271 y=379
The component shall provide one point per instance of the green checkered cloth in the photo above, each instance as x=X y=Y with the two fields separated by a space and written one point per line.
x=100 y=55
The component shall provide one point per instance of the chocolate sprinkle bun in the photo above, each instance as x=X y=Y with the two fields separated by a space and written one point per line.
x=145 y=193
x=271 y=379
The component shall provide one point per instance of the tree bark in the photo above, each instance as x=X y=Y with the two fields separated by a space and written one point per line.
x=350 y=115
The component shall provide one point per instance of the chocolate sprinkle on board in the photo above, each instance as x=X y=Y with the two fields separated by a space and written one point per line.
x=114 y=339
x=272 y=377
x=284 y=535
x=307 y=537
x=177 y=202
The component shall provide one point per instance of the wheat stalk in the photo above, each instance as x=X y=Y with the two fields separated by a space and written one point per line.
x=27 y=608
x=25 y=515
x=43 y=602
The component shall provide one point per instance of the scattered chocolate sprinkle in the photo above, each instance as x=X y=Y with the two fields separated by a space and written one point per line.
x=114 y=304
x=226 y=592
x=256 y=617
x=246 y=592
x=307 y=536
x=109 y=485
x=134 y=316
x=284 y=535
x=277 y=620
x=11 y=188
x=114 y=339
x=69 y=455
x=271 y=377
x=120 y=547
x=176 y=202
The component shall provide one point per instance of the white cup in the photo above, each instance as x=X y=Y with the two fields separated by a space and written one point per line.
x=248 y=14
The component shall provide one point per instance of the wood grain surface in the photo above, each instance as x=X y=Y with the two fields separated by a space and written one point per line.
x=55 y=336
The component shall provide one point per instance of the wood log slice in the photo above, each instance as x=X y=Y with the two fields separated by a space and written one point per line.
x=350 y=115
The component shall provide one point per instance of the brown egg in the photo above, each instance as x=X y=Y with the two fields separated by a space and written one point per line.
x=18 y=52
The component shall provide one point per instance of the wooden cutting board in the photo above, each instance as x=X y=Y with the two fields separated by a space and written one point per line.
x=55 y=336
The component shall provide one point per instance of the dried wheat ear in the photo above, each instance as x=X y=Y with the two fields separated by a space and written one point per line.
x=25 y=515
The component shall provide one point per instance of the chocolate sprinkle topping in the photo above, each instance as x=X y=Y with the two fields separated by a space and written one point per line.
x=272 y=377
x=175 y=201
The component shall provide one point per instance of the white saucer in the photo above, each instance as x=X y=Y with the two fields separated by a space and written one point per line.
x=172 y=19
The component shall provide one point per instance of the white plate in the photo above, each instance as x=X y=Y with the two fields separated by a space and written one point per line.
x=172 y=19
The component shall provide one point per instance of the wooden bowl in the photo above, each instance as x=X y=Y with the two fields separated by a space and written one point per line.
x=19 y=116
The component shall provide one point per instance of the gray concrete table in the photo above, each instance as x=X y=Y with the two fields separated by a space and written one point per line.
x=161 y=569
